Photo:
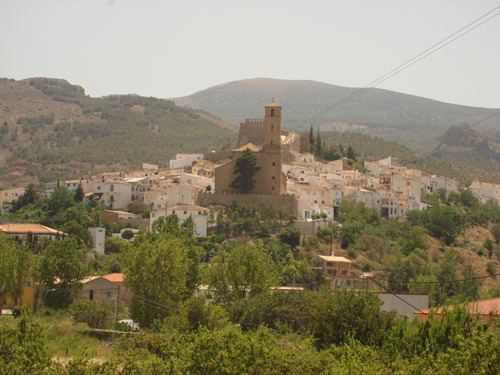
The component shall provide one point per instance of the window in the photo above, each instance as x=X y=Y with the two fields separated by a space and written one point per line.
x=272 y=112
x=108 y=294
x=273 y=177
x=28 y=283
x=329 y=264
x=185 y=212
x=111 y=198
x=273 y=188
x=330 y=272
x=274 y=163
x=344 y=273
x=271 y=143
x=272 y=127
x=91 y=295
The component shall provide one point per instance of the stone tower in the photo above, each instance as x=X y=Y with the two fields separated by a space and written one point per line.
x=269 y=178
x=272 y=128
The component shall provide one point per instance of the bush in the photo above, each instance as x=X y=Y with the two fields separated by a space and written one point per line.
x=127 y=234
x=95 y=314
x=491 y=268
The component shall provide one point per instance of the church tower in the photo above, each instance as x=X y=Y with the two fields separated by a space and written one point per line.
x=272 y=127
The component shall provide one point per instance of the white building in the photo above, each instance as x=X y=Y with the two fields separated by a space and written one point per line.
x=114 y=194
x=184 y=160
x=198 y=214
x=98 y=239
x=7 y=196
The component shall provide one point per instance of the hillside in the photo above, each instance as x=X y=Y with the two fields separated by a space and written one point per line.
x=469 y=148
x=407 y=119
x=50 y=129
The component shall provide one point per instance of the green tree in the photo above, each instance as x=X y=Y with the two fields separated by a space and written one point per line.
x=351 y=153
x=495 y=231
x=60 y=266
x=246 y=269
x=161 y=268
x=311 y=139
x=79 y=194
x=291 y=236
x=8 y=267
x=30 y=195
x=488 y=245
x=244 y=172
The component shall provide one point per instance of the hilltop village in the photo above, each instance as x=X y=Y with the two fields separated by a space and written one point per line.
x=288 y=178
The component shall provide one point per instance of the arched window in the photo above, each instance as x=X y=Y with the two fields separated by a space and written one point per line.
x=272 y=112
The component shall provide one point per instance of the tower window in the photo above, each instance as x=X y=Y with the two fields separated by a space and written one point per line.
x=271 y=143
x=272 y=127
x=273 y=177
x=272 y=112
x=274 y=163
x=273 y=187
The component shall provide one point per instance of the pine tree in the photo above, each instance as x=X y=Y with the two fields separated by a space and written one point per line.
x=318 y=144
x=311 y=139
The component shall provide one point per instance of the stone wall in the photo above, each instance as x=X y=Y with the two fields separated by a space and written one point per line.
x=286 y=203
x=310 y=228
x=252 y=131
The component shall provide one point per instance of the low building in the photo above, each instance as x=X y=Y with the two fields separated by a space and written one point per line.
x=111 y=216
x=486 y=310
x=335 y=266
x=99 y=289
x=126 y=294
x=22 y=231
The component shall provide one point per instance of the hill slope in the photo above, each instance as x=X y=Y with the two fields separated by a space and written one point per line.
x=50 y=129
x=407 y=119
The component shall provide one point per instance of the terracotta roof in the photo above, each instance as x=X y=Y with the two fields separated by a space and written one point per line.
x=482 y=307
x=115 y=277
x=273 y=104
x=29 y=228
x=251 y=146
x=186 y=207
x=332 y=258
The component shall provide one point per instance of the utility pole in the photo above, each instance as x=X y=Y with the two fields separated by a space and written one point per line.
x=116 y=304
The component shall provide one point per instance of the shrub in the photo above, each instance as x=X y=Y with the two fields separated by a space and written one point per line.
x=491 y=268
x=95 y=314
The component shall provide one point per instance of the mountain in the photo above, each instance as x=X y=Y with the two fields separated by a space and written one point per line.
x=466 y=147
x=407 y=119
x=49 y=129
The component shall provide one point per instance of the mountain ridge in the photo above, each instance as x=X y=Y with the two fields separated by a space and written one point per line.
x=405 y=118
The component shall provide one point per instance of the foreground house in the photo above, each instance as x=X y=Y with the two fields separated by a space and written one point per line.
x=22 y=231
x=485 y=310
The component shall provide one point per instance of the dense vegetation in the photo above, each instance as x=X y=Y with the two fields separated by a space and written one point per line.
x=114 y=130
x=242 y=325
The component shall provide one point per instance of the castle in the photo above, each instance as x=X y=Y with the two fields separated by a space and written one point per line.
x=269 y=178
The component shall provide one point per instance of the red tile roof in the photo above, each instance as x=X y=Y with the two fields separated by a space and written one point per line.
x=38 y=229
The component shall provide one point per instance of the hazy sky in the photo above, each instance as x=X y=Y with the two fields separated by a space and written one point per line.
x=174 y=48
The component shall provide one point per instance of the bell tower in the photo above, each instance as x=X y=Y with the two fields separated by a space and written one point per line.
x=272 y=127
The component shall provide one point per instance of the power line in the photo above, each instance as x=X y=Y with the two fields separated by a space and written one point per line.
x=427 y=52
x=445 y=281
x=394 y=294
